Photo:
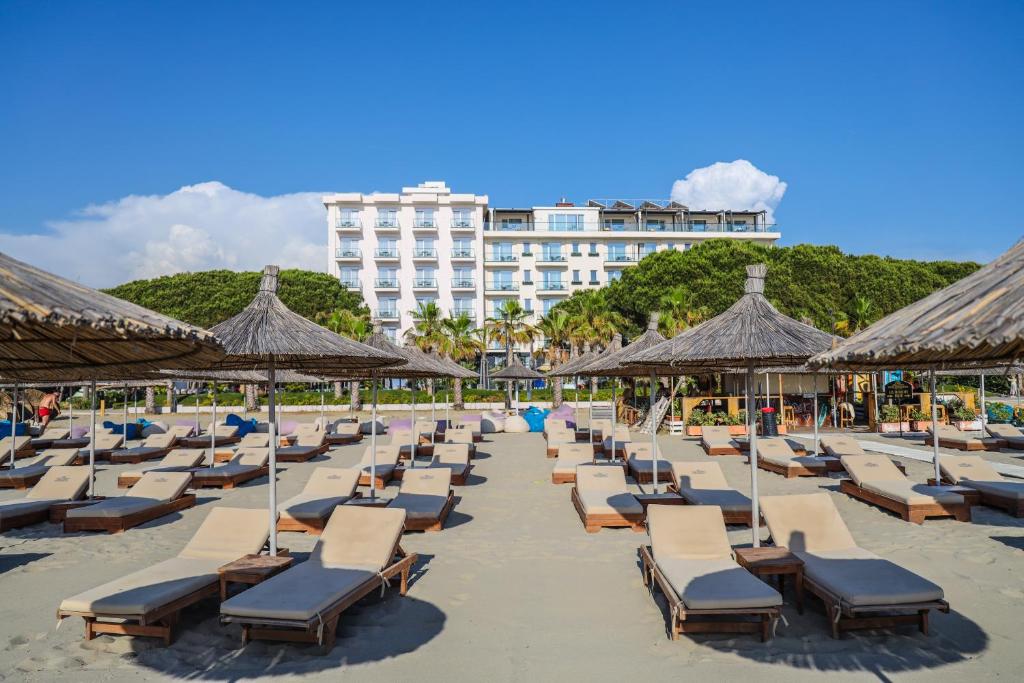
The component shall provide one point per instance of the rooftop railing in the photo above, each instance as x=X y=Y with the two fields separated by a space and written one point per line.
x=605 y=226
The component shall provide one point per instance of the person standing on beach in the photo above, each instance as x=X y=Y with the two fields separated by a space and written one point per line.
x=49 y=407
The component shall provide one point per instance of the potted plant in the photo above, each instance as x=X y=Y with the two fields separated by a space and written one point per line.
x=889 y=419
x=964 y=419
x=737 y=423
x=919 y=420
x=697 y=419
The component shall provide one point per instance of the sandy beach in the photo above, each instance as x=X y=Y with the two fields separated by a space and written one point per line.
x=514 y=589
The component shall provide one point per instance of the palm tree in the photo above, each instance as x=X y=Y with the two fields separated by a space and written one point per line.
x=595 y=323
x=427 y=332
x=354 y=326
x=556 y=330
x=509 y=327
x=863 y=312
x=679 y=312
x=461 y=343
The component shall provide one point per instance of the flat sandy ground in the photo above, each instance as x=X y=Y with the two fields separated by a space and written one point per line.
x=513 y=589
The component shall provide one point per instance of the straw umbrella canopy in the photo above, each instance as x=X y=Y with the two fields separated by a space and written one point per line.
x=977 y=322
x=515 y=371
x=617 y=363
x=268 y=335
x=572 y=366
x=751 y=333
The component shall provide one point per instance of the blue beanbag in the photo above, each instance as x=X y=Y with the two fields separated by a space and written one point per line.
x=134 y=429
x=535 y=418
x=21 y=429
x=244 y=426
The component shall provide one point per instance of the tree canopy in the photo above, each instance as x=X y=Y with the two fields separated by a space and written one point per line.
x=209 y=297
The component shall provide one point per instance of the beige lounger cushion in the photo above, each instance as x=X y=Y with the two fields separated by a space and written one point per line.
x=327 y=488
x=871 y=467
x=1007 y=432
x=702 y=483
x=175 y=461
x=55 y=433
x=877 y=473
x=164 y=440
x=602 y=427
x=806 y=522
x=155 y=488
x=61 y=483
x=602 y=490
x=52 y=457
x=458 y=436
x=425 y=427
x=639 y=455
x=776 y=451
x=423 y=493
x=1005 y=489
x=839 y=445
x=716 y=437
x=455 y=455
x=356 y=544
x=387 y=458
x=181 y=431
x=22 y=506
x=104 y=442
x=551 y=424
x=572 y=454
x=346 y=428
x=255 y=440
x=560 y=435
x=20 y=443
x=222 y=430
x=976 y=473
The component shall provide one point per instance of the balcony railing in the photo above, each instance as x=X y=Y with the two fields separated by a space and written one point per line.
x=596 y=226
x=471 y=314
x=552 y=286
x=386 y=314
x=424 y=283
x=387 y=224
x=462 y=253
x=385 y=253
x=347 y=223
x=385 y=283
x=620 y=258
x=425 y=224
x=350 y=284
x=462 y=224
x=502 y=286
x=425 y=253
x=463 y=284
x=348 y=253
x=551 y=258
x=501 y=258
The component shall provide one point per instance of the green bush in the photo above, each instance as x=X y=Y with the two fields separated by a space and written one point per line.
x=1000 y=412
x=919 y=415
x=889 y=413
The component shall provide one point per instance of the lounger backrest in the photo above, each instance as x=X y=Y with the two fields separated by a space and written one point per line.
x=226 y=431
x=56 y=433
x=61 y=483
x=165 y=486
x=19 y=443
x=311 y=439
x=251 y=457
x=255 y=440
x=425 y=427
x=400 y=435
x=948 y=432
x=387 y=454
x=426 y=482
x=181 y=431
x=871 y=467
x=183 y=457
x=561 y=435
x=55 y=457
x=603 y=426
x=774 y=447
x=307 y=428
x=164 y=440
x=600 y=478
x=451 y=453
x=715 y=434
x=108 y=442
x=332 y=481
x=360 y=537
x=699 y=475
x=458 y=436
x=347 y=428
x=555 y=423
x=576 y=452
x=1004 y=431
x=841 y=444
x=806 y=522
x=229 y=533
x=688 y=532
x=971 y=467
x=621 y=433
x=641 y=450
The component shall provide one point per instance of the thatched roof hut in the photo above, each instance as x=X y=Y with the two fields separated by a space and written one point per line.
x=516 y=371
x=418 y=365
x=571 y=367
x=975 y=322
x=52 y=328
x=616 y=364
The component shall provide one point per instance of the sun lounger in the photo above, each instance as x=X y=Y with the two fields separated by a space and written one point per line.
x=427 y=430
x=554 y=423
x=356 y=555
x=148 y=602
x=951 y=437
x=473 y=426
x=570 y=455
x=255 y=440
x=691 y=561
x=401 y=437
x=971 y=471
x=775 y=455
x=25 y=477
x=246 y=465
x=155 y=495
x=223 y=435
x=600 y=429
x=427 y=498
x=60 y=484
x=838 y=445
x=1013 y=437
x=602 y=499
x=23 y=448
x=178 y=460
x=558 y=436
x=387 y=459
x=640 y=462
x=153 y=447
x=307 y=446
x=460 y=435
x=105 y=445
x=860 y=590
x=703 y=483
x=327 y=488
x=344 y=433
x=718 y=441
x=454 y=457
x=46 y=439
x=616 y=447
x=874 y=479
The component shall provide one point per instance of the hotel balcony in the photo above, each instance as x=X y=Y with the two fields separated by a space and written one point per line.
x=350 y=284
x=463 y=255
x=501 y=260
x=387 y=315
x=424 y=226
x=348 y=225
x=501 y=287
x=551 y=261
x=551 y=288
x=424 y=284
x=385 y=285
x=348 y=255
x=614 y=260
x=424 y=255
x=463 y=285
x=471 y=314
x=386 y=255
x=459 y=225
x=386 y=225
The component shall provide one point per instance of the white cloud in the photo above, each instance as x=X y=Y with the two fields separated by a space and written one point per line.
x=736 y=185
x=198 y=227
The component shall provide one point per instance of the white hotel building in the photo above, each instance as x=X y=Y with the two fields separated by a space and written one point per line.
x=427 y=243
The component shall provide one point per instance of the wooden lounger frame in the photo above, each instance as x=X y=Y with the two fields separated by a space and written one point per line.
x=910 y=513
x=116 y=525
x=201 y=479
x=798 y=450
x=459 y=477
x=993 y=444
x=730 y=516
x=24 y=519
x=593 y=523
x=21 y=482
x=343 y=439
x=309 y=630
x=382 y=479
x=845 y=617
x=119 y=457
x=204 y=441
x=720 y=450
x=798 y=470
x=664 y=473
x=314 y=526
x=758 y=620
x=432 y=524
x=157 y=623
x=1008 y=504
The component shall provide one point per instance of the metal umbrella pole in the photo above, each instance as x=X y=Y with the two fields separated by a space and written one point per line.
x=654 y=433
x=935 y=425
x=92 y=440
x=272 y=483
x=125 y=412
x=433 y=412
x=415 y=435
x=755 y=512
x=71 y=414
x=322 y=425
x=213 y=428
x=14 y=421
x=981 y=397
x=197 y=408
x=373 y=443
x=614 y=419
x=814 y=446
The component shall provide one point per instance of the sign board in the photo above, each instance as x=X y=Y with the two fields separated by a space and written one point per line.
x=899 y=392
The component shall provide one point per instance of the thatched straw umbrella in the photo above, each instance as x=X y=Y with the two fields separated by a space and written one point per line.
x=571 y=368
x=55 y=329
x=977 y=322
x=267 y=334
x=515 y=372
x=584 y=370
x=751 y=333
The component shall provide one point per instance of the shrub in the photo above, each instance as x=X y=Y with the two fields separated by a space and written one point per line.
x=1000 y=412
x=889 y=413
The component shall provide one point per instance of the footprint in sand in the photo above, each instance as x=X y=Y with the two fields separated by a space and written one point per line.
x=975 y=558
x=16 y=641
x=1012 y=593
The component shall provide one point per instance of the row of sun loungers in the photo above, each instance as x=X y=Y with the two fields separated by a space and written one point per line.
x=155 y=495
x=27 y=476
x=60 y=484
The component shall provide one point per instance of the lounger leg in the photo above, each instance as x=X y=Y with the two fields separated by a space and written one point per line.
x=833 y=620
x=923 y=624
x=89 y=632
x=245 y=635
x=405 y=581
x=765 y=628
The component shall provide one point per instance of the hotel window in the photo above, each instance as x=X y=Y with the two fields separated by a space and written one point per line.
x=576 y=278
x=548 y=304
x=462 y=248
x=614 y=275
x=739 y=226
x=526 y=249
x=511 y=223
x=502 y=251
x=391 y=333
x=463 y=305
x=426 y=277
x=387 y=247
x=387 y=218
x=576 y=249
x=387 y=277
x=686 y=245
x=425 y=247
x=615 y=224
x=645 y=249
x=425 y=300
x=389 y=307
x=462 y=218
x=698 y=226
x=425 y=218
x=553 y=251
x=565 y=222
x=349 y=277
x=349 y=247
x=527 y=277
x=528 y=305
x=348 y=218
x=616 y=252
x=552 y=280
x=503 y=280
x=593 y=277
x=462 y=277
x=593 y=249
x=656 y=225
x=671 y=246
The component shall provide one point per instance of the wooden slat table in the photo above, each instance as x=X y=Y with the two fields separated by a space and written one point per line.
x=775 y=561
x=251 y=570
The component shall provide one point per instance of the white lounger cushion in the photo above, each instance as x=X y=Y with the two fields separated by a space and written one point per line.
x=327 y=488
x=424 y=493
x=602 y=490
x=702 y=483
x=839 y=445
x=155 y=488
x=572 y=454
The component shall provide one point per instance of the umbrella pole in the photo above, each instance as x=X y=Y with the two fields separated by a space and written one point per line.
x=814 y=446
x=272 y=483
x=447 y=405
x=433 y=411
x=755 y=512
x=614 y=421
x=213 y=425
x=125 y=413
x=935 y=426
x=415 y=435
x=322 y=425
x=196 y=397
x=92 y=440
x=14 y=421
x=373 y=442
x=590 y=418
x=71 y=414
x=981 y=398
x=654 y=434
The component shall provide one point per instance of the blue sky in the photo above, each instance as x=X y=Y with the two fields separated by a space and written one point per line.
x=896 y=126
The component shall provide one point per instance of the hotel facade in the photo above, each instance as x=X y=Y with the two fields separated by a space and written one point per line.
x=427 y=243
